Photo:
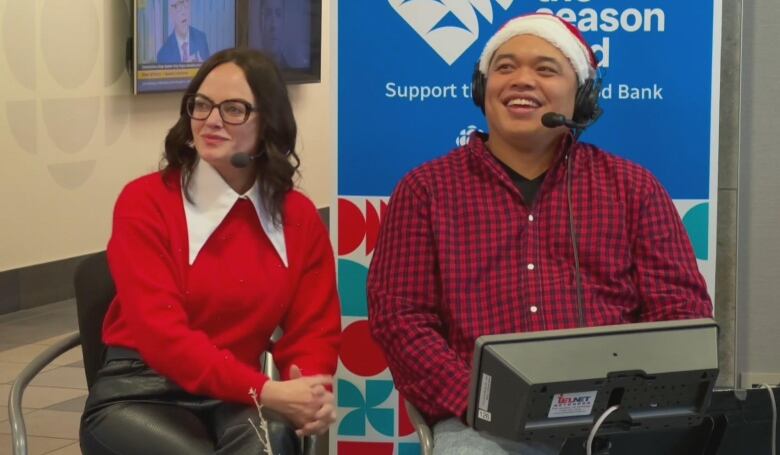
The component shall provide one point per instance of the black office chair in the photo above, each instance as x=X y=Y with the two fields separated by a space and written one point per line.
x=95 y=289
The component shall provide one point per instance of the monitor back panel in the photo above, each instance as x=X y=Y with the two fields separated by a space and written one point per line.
x=534 y=386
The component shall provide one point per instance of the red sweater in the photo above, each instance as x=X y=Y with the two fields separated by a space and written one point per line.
x=205 y=325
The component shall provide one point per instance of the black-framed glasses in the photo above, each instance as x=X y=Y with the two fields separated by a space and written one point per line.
x=233 y=112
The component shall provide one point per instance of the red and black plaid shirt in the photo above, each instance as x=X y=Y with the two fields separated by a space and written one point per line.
x=460 y=255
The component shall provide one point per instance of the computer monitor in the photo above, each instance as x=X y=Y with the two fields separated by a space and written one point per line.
x=555 y=384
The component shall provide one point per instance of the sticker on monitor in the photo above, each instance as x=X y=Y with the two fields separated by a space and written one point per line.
x=572 y=404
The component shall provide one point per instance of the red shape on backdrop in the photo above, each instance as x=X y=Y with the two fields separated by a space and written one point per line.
x=359 y=353
x=352 y=227
x=405 y=426
x=372 y=227
x=365 y=448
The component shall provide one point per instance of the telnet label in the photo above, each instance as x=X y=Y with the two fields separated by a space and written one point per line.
x=572 y=404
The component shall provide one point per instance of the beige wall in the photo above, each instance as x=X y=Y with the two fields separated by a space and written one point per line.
x=72 y=134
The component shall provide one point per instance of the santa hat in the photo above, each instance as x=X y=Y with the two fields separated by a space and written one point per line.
x=558 y=32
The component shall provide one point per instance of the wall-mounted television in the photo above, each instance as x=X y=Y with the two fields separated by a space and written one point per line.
x=173 y=37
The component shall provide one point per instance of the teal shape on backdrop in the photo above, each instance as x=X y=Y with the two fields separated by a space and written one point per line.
x=382 y=419
x=409 y=448
x=696 y=222
x=354 y=422
x=349 y=395
x=352 y=288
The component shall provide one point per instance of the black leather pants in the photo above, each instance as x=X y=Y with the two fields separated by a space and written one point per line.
x=133 y=410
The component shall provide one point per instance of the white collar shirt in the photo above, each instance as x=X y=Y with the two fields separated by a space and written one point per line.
x=212 y=199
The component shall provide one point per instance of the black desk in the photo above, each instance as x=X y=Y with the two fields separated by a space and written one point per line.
x=738 y=423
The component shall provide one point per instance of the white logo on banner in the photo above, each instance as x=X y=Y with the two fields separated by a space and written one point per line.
x=464 y=134
x=450 y=42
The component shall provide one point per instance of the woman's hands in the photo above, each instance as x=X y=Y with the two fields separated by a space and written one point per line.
x=304 y=400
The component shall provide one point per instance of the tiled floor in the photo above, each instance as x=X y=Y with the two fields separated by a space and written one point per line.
x=55 y=398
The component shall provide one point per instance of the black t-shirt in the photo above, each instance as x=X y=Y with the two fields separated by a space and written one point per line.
x=528 y=188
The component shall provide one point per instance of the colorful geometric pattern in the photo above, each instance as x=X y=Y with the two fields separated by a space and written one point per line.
x=377 y=448
x=365 y=409
x=354 y=226
x=372 y=417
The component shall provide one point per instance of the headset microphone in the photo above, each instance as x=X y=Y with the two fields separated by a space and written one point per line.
x=242 y=159
x=554 y=120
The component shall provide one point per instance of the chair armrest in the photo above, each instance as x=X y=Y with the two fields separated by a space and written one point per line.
x=308 y=443
x=421 y=428
x=268 y=366
x=18 y=430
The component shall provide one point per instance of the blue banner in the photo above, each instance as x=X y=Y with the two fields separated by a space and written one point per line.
x=405 y=68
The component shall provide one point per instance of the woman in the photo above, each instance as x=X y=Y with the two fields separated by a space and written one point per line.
x=209 y=256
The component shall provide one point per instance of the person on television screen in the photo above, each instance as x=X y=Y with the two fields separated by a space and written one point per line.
x=210 y=256
x=482 y=241
x=273 y=30
x=186 y=44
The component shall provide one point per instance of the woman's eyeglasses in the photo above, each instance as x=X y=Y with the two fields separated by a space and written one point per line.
x=233 y=112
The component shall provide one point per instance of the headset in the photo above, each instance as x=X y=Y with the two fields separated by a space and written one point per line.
x=586 y=102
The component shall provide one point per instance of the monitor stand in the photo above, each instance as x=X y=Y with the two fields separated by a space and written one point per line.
x=601 y=445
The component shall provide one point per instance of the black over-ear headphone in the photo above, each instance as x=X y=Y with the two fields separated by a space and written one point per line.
x=586 y=103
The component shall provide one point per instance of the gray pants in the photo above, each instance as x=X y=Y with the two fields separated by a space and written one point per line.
x=452 y=437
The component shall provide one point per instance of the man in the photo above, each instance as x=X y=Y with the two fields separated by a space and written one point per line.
x=481 y=241
x=272 y=20
x=185 y=44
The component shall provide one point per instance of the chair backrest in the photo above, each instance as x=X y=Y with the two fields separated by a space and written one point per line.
x=94 y=292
